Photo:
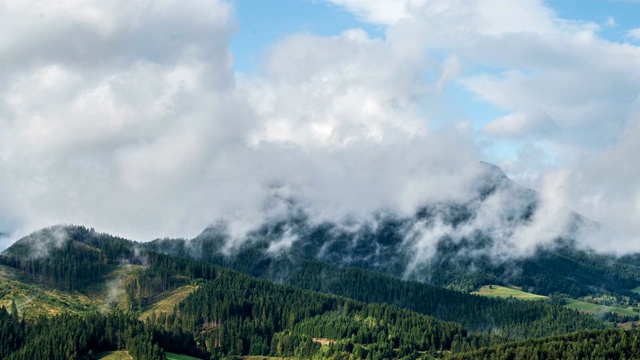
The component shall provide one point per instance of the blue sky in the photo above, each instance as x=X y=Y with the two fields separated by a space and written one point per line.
x=623 y=13
x=262 y=24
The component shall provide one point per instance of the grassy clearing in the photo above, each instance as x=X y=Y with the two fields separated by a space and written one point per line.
x=505 y=292
x=123 y=355
x=111 y=292
x=595 y=308
x=636 y=290
x=517 y=293
x=168 y=300
x=323 y=341
x=33 y=299
x=113 y=355
x=172 y=356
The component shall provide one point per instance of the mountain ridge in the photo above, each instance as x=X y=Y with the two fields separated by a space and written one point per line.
x=444 y=244
x=487 y=322
x=439 y=241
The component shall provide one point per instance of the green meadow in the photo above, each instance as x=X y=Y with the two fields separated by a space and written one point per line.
x=505 y=292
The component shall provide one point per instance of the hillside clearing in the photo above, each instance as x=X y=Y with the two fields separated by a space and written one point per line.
x=172 y=356
x=323 y=341
x=33 y=299
x=596 y=309
x=168 y=300
x=517 y=293
x=505 y=292
x=114 y=355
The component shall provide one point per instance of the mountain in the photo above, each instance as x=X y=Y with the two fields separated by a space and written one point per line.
x=226 y=313
x=219 y=312
x=68 y=249
x=609 y=344
x=388 y=286
x=459 y=245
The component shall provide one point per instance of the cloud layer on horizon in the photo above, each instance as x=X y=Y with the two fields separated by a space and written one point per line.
x=127 y=116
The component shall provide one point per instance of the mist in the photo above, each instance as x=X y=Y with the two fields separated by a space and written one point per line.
x=138 y=124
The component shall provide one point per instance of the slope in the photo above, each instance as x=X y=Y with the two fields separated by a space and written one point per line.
x=608 y=344
x=34 y=299
x=231 y=314
x=476 y=313
x=150 y=286
x=461 y=245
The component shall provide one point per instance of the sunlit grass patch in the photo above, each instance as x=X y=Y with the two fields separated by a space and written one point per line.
x=168 y=300
x=505 y=292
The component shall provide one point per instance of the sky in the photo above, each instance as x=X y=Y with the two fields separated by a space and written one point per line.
x=154 y=118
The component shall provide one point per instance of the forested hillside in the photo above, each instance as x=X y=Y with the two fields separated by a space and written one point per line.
x=561 y=270
x=229 y=314
x=608 y=344
x=476 y=313
x=465 y=255
x=68 y=257
x=515 y=318
x=312 y=309
x=77 y=337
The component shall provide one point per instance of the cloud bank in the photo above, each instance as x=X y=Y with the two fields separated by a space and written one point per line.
x=571 y=98
x=127 y=115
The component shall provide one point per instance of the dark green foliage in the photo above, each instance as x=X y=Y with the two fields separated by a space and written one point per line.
x=164 y=273
x=12 y=331
x=75 y=337
x=293 y=344
x=233 y=314
x=609 y=344
x=67 y=257
x=515 y=319
x=617 y=318
x=239 y=315
x=143 y=346
x=568 y=270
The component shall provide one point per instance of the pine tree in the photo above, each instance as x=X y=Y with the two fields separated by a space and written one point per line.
x=14 y=310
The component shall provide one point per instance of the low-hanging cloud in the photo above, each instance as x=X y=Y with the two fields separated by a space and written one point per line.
x=142 y=129
x=127 y=116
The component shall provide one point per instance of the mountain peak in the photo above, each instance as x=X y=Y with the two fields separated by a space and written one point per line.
x=493 y=171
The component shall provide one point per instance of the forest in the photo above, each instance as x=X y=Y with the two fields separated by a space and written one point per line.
x=317 y=310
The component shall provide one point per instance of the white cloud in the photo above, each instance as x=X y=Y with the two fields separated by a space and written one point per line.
x=107 y=109
x=127 y=116
x=571 y=96
x=520 y=125
x=604 y=186
x=330 y=92
x=634 y=34
x=380 y=11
